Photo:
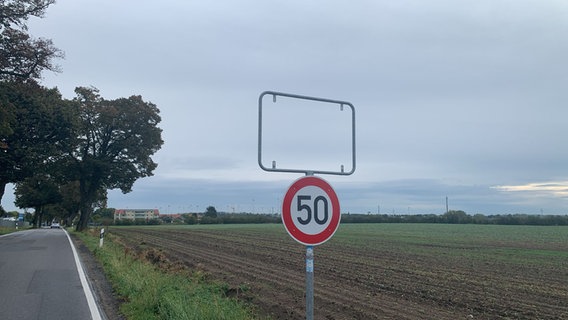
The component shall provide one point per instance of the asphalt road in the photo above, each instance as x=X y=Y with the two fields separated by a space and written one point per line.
x=39 y=278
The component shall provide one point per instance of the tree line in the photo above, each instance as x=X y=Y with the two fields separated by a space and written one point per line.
x=460 y=217
x=211 y=216
x=64 y=154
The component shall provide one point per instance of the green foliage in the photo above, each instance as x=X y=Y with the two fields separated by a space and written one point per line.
x=208 y=220
x=113 y=145
x=83 y=147
x=39 y=192
x=150 y=293
x=454 y=216
x=211 y=212
x=71 y=200
x=105 y=212
x=245 y=218
x=24 y=57
x=90 y=145
x=459 y=217
x=137 y=222
x=15 y=13
x=190 y=218
x=38 y=124
x=13 y=214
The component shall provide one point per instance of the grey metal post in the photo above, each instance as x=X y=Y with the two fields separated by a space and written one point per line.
x=309 y=282
x=273 y=167
x=308 y=172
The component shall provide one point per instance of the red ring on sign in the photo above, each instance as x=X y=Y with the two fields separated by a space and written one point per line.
x=297 y=234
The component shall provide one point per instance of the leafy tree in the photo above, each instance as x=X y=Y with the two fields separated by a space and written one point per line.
x=114 y=144
x=70 y=201
x=190 y=218
x=70 y=205
x=210 y=212
x=456 y=216
x=106 y=212
x=478 y=218
x=37 y=192
x=14 y=13
x=21 y=56
x=106 y=215
x=38 y=124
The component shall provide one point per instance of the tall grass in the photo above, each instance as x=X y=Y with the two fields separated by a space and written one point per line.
x=6 y=230
x=151 y=293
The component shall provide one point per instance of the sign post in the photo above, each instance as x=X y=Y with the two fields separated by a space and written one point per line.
x=309 y=282
x=311 y=215
x=310 y=208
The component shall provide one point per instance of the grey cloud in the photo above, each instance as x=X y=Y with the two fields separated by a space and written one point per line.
x=451 y=98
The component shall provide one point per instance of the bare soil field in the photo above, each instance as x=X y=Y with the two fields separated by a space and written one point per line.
x=377 y=272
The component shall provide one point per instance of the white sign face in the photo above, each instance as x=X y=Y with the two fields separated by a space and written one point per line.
x=310 y=211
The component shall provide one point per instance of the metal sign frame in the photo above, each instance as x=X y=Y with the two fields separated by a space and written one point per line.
x=273 y=167
x=308 y=172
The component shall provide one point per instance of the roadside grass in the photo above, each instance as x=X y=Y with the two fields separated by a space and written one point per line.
x=148 y=292
x=6 y=230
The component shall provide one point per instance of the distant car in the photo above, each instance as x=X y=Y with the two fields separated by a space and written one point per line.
x=55 y=225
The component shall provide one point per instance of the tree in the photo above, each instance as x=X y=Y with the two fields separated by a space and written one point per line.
x=70 y=201
x=21 y=56
x=211 y=212
x=38 y=124
x=106 y=215
x=16 y=12
x=190 y=218
x=113 y=147
x=37 y=192
x=456 y=216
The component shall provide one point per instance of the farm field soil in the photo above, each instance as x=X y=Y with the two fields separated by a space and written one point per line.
x=379 y=271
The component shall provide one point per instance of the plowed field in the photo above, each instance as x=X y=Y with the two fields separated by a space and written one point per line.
x=402 y=271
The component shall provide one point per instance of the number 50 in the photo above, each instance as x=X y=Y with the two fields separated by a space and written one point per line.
x=316 y=206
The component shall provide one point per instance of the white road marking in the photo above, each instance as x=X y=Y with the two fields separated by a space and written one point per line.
x=95 y=314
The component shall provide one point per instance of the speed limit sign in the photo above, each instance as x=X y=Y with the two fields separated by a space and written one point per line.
x=310 y=211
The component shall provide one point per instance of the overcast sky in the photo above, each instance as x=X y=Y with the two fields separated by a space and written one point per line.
x=464 y=99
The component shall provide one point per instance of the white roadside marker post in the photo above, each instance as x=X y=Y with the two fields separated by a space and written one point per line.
x=101 y=238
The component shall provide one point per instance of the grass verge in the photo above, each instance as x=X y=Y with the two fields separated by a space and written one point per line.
x=6 y=230
x=152 y=293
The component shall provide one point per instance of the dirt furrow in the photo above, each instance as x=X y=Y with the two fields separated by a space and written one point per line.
x=221 y=256
x=351 y=283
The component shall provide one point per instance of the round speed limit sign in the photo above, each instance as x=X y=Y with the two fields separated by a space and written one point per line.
x=310 y=211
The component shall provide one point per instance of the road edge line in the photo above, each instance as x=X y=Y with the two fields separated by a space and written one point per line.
x=95 y=314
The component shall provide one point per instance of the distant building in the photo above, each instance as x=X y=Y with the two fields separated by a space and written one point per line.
x=135 y=214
